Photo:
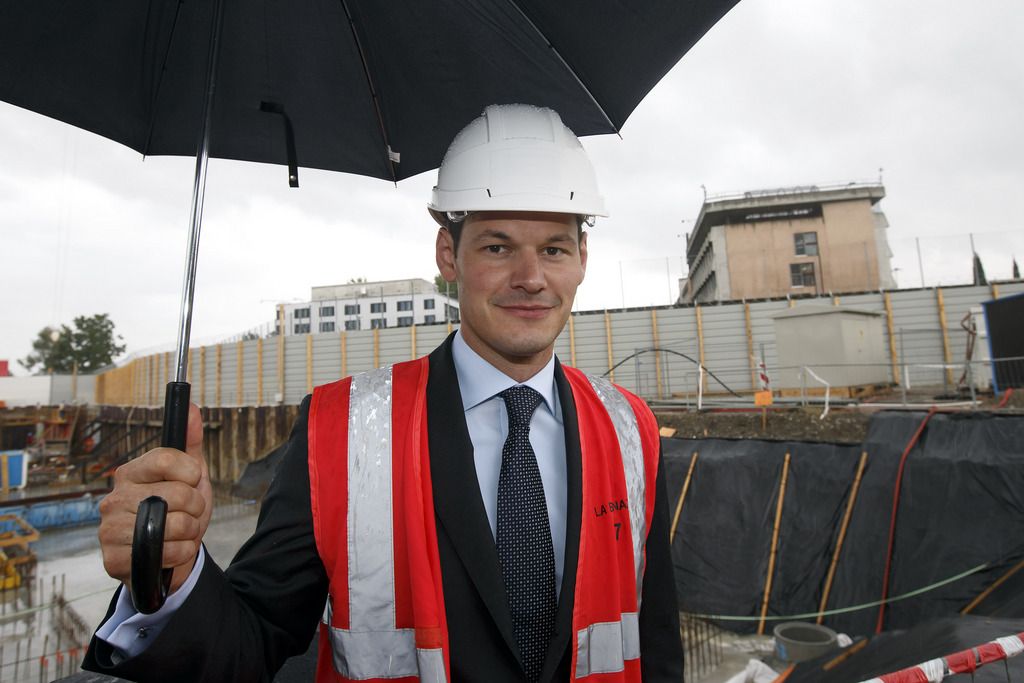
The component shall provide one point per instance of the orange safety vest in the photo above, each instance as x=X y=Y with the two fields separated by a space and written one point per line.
x=373 y=518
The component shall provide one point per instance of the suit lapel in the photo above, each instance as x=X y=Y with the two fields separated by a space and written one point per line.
x=574 y=504
x=457 y=502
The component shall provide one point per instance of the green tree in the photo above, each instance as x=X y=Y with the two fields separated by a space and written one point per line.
x=90 y=342
x=447 y=288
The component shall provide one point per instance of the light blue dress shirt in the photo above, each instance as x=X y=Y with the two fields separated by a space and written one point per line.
x=130 y=632
x=487 y=420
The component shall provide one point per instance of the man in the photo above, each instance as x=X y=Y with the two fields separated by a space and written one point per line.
x=482 y=514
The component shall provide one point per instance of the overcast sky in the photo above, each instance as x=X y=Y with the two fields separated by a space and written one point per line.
x=779 y=93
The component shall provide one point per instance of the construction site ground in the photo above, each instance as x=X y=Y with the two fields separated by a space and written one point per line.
x=846 y=421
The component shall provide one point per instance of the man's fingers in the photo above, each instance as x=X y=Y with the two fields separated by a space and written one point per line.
x=194 y=435
x=177 y=553
x=158 y=465
x=180 y=497
x=181 y=526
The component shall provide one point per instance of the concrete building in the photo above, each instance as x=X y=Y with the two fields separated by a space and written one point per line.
x=367 y=305
x=789 y=241
x=46 y=390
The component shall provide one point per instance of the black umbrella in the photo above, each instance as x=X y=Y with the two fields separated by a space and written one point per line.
x=373 y=88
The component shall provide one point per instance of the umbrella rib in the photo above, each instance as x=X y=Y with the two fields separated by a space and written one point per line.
x=373 y=92
x=533 y=25
x=160 y=82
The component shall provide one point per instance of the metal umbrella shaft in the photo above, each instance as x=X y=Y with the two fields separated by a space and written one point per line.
x=150 y=581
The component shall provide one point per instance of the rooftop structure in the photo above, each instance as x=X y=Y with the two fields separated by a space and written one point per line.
x=368 y=305
x=797 y=240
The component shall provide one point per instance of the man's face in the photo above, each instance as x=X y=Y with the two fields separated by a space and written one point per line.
x=517 y=274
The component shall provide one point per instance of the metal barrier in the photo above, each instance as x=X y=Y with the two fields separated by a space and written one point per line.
x=42 y=637
x=702 y=646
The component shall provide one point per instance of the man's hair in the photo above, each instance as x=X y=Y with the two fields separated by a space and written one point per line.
x=454 y=228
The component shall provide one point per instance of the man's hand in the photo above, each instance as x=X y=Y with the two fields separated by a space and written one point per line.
x=183 y=480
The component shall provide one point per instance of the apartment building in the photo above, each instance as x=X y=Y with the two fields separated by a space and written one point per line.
x=368 y=305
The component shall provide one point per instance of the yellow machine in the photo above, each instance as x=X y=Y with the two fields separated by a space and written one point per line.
x=15 y=553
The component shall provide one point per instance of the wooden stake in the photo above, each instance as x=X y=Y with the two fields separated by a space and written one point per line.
x=217 y=375
x=309 y=364
x=947 y=355
x=572 y=340
x=891 y=329
x=754 y=383
x=775 y=545
x=608 y=345
x=202 y=375
x=995 y=584
x=682 y=498
x=700 y=344
x=842 y=535
x=344 y=354
x=259 y=371
x=657 y=353
x=239 y=369
x=280 y=364
x=845 y=654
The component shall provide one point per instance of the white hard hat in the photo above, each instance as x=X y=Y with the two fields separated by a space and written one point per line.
x=516 y=157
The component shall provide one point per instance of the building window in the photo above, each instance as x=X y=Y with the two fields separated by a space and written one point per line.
x=806 y=243
x=802 y=274
x=351 y=309
x=428 y=304
x=377 y=323
x=405 y=321
x=327 y=312
x=428 y=319
x=379 y=307
x=302 y=328
x=300 y=313
x=351 y=324
x=451 y=312
x=327 y=327
x=405 y=305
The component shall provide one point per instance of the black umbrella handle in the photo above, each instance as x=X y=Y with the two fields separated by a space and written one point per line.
x=150 y=581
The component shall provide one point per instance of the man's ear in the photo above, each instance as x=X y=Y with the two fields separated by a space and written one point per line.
x=583 y=252
x=444 y=254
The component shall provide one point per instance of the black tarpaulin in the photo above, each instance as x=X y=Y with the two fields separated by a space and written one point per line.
x=257 y=475
x=961 y=505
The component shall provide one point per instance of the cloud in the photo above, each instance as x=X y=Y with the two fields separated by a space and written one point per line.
x=780 y=92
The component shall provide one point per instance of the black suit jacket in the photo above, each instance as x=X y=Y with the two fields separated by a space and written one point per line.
x=241 y=624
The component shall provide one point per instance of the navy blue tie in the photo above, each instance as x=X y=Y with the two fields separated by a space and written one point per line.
x=524 y=535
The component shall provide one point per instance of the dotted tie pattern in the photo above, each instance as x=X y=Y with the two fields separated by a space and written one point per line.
x=524 y=535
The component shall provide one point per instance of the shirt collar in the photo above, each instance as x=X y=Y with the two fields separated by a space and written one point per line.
x=480 y=381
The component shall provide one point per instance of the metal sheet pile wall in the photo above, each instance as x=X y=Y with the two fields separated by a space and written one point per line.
x=960 y=508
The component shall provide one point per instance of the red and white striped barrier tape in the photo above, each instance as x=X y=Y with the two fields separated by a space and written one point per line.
x=965 y=661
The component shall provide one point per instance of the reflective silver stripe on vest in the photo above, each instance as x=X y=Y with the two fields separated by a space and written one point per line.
x=624 y=420
x=606 y=646
x=372 y=647
x=371 y=571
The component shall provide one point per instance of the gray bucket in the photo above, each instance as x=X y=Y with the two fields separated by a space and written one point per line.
x=796 y=641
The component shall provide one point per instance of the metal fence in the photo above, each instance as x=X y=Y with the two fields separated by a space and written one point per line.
x=42 y=637
x=658 y=352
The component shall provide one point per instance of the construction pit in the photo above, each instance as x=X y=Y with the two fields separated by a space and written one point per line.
x=732 y=464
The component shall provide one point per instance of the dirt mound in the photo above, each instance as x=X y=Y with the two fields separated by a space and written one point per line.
x=779 y=424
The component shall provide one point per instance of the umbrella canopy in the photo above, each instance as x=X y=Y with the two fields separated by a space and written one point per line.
x=372 y=87
x=367 y=87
